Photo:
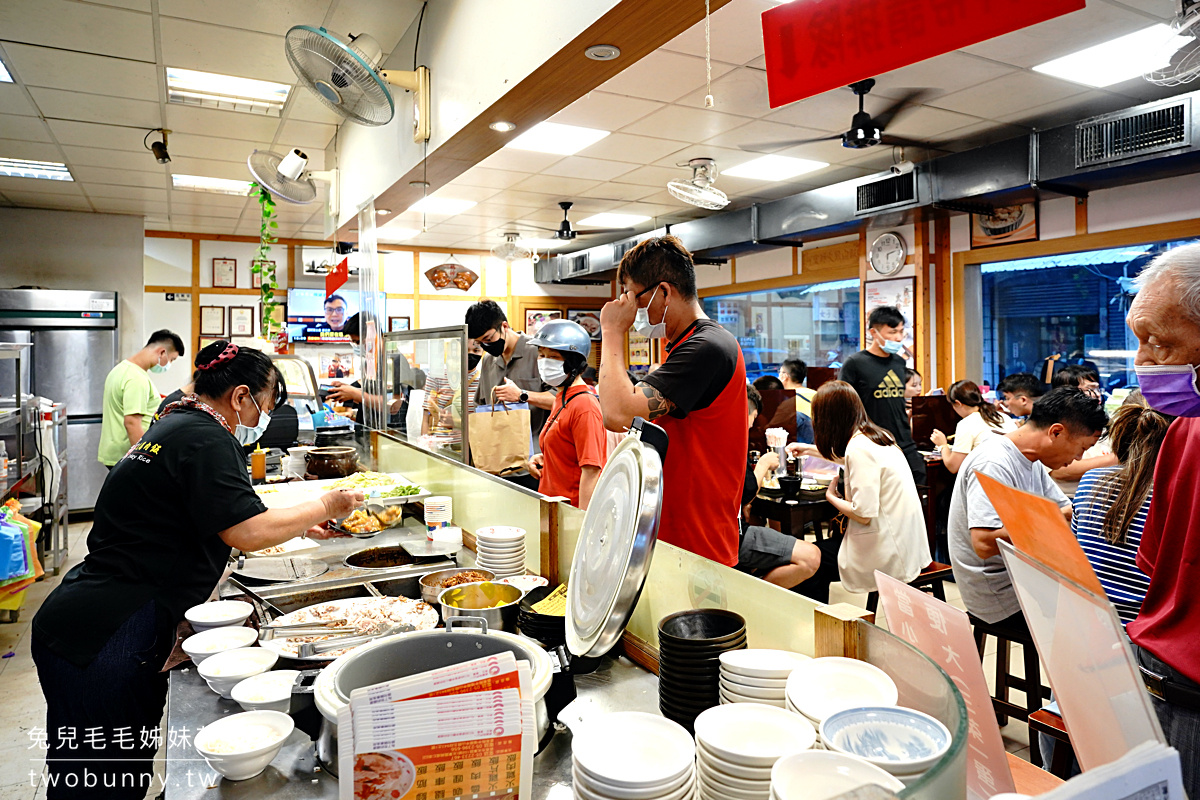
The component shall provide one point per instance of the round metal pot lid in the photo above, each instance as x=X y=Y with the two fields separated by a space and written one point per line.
x=615 y=545
x=281 y=569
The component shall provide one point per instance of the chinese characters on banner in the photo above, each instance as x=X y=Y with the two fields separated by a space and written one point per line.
x=943 y=633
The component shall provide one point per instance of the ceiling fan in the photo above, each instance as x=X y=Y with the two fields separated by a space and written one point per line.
x=566 y=233
x=865 y=130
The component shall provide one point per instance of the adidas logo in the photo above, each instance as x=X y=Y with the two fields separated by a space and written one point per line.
x=890 y=386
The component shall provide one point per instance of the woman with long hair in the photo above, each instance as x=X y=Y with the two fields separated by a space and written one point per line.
x=1112 y=502
x=979 y=421
x=886 y=529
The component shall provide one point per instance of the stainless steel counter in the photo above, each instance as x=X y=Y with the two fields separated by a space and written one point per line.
x=618 y=685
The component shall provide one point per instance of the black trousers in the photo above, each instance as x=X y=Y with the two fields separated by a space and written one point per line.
x=102 y=720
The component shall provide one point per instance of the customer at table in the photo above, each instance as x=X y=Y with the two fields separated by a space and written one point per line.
x=886 y=524
x=788 y=412
x=1080 y=376
x=130 y=396
x=1112 y=502
x=913 y=387
x=792 y=372
x=1019 y=391
x=165 y=521
x=1064 y=423
x=877 y=374
x=698 y=395
x=979 y=422
x=1165 y=318
x=1067 y=478
x=574 y=442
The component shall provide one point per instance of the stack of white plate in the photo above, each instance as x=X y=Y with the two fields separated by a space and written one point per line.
x=824 y=686
x=737 y=744
x=438 y=511
x=757 y=676
x=501 y=549
x=629 y=755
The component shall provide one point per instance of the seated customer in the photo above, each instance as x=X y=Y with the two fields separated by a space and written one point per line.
x=793 y=372
x=1098 y=455
x=1018 y=391
x=1064 y=423
x=980 y=421
x=886 y=529
x=1112 y=502
x=788 y=410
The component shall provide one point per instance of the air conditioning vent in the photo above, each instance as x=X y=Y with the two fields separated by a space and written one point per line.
x=897 y=190
x=1115 y=137
x=621 y=248
x=574 y=265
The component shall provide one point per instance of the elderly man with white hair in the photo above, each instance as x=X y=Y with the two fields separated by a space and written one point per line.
x=1165 y=317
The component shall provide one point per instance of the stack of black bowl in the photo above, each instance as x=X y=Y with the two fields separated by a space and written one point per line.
x=690 y=644
x=550 y=631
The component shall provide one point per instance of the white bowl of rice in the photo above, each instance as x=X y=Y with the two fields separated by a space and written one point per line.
x=241 y=746
x=225 y=670
x=218 y=614
x=269 y=691
x=208 y=643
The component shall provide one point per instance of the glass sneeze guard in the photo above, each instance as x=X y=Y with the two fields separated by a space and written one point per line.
x=429 y=391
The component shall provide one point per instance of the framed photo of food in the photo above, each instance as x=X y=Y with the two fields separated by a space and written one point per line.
x=535 y=318
x=241 y=320
x=224 y=273
x=399 y=324
x=212 y=320
x=589 y=318
x=1005 y=225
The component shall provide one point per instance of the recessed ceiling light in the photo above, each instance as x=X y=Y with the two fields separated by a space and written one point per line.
x=441 y=206
x=774 y=168
x=226 y=92
x=502 y=127
x=388 y=234
x=1118 y=60
x=603 y=52
x=383 y=212
x=4 y=76
x=556 y=138
x=45 y=170
x=608 y=220
x=201 y=183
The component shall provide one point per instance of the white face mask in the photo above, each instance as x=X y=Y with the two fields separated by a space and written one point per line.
x=247 y=435
x=641 y=321
x=552 y=371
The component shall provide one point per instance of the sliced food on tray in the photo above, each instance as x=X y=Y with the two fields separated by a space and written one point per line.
x=367 y=615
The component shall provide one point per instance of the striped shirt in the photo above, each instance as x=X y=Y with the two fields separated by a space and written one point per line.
x=1114 y=564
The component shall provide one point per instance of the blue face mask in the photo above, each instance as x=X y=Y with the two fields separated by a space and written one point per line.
x=892 y=348
x=246 y=435
x=160 y=368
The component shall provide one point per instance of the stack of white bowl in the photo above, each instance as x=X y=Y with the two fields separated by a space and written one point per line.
x=438 y=511
x=821 y=687
x=629 y=755
x=901 y=741
x=819 y=774
x=294 y=466
x=757 y=676
x=738 y=743
x=501 y=549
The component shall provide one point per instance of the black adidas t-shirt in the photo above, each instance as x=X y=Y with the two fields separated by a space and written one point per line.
x=880 y=384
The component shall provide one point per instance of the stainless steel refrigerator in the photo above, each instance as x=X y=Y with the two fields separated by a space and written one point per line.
x=74 y=336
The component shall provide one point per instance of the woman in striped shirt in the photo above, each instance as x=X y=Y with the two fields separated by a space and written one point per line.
x=1111 y=504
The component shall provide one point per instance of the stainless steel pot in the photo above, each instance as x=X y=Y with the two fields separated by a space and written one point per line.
x=430 y=581
x=411 y=653
x=495 y=603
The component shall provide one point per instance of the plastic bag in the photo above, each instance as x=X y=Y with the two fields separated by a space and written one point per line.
x=14 y=562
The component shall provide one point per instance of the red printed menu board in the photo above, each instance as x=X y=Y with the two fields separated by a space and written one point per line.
x=943 y=633
x=813 y=46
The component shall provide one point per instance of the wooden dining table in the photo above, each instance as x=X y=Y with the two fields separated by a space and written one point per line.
x=794 y=515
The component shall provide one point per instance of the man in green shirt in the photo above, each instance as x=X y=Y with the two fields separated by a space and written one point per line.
x=130 y=398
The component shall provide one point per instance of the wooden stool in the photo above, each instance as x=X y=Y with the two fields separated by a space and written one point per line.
x=1043 y=721
x=1030 y=685
x=931 y=579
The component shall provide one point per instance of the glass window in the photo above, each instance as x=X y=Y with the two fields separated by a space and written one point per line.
x=1072 y=306
x=817 y=323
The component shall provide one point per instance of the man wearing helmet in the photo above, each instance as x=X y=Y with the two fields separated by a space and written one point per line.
x=573 y=441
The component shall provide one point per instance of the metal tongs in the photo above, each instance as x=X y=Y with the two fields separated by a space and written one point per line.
x=309 y=649
x=268 y=632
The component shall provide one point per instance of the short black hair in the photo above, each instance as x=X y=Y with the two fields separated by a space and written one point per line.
x=660 y=259
x=885 y=317
x=351 y=326
x=1022 y=383
x=768 y=383
x=1071 y=407
x=166 y=337
x=484 y=316
x=248 y=367
x=333 y=297
x=1075 y=374
x=753 y=399
x=796 y=369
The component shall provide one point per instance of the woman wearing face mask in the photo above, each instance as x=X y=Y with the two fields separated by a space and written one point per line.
x=165 y=521
x=573 y=441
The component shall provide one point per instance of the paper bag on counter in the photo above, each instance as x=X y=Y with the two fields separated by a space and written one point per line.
x=500 y=439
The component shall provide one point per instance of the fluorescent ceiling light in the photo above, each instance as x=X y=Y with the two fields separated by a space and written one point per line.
x=200 y=183
x=387 y=234
x=226 y=92
x=441 y=206
x=774 y=168
x=556 y=138
x=608 y=220
x=45 y=170
x=1120 y=59
x=539 y=244
x=4 y=76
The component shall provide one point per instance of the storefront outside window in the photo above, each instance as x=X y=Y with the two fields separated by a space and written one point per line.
x=817 y=323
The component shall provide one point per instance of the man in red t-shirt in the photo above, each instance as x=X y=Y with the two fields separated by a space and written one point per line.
x=1165 y=317
x=698 y=396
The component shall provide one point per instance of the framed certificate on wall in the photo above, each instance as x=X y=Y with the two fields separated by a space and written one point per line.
x=241 y=321
x=212 y=320
x=224 y=273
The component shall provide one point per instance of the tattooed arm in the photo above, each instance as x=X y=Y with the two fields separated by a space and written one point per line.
x=620 y=399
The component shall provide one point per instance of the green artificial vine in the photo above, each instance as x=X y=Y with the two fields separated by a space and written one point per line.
x=262 y=265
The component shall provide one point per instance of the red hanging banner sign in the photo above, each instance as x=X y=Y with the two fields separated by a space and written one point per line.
x=813 y=46
x=337 y=277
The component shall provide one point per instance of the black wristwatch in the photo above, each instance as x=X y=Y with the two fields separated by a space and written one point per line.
x=524 y=398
